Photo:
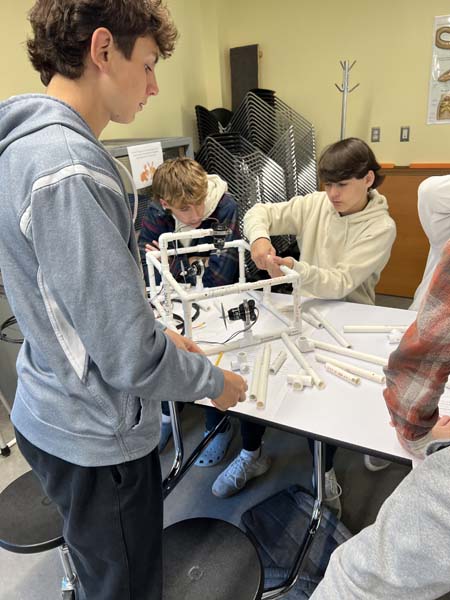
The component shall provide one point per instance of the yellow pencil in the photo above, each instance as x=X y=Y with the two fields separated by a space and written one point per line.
x=218 y=359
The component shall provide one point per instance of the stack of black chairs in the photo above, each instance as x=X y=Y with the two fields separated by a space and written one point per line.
x=266 y=153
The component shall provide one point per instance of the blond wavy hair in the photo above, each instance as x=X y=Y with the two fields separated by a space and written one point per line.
x=179 y=182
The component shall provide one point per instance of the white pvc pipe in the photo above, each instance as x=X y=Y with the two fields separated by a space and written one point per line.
x=271 y=308
x=304 y=345
x=372 y=358
x=318 y=381
x=192 y=234
x=311 y=320
x=371 y=375
x=278 y=362
x=192 y=249
x=245 y=343
x=373 y=328
x=223 y=290
x=345 y=375
x=306 y=380
x=256 y=371
x=242 y=357
x=295 y=295
x=305 y=316
x=330 y=328
x=261 y=393
x=241 y=251
x=297 y=384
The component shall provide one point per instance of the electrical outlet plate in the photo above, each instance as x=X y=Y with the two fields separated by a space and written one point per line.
x=404 y=134
x=375 y=134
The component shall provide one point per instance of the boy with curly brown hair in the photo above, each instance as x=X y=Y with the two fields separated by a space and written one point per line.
x=95 y=365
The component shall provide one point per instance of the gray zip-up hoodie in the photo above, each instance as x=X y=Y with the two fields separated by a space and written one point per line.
x=94 y=366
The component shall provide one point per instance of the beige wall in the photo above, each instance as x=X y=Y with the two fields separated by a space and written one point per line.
x=302 y=44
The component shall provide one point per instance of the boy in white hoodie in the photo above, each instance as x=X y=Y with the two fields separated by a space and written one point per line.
x=344 y=235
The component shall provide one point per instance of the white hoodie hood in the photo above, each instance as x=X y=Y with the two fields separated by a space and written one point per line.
x=216 y=189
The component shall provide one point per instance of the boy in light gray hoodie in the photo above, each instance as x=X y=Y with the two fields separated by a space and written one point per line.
x=94 y=366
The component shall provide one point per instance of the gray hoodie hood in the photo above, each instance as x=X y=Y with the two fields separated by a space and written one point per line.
x=21 y=116
x=95 y=365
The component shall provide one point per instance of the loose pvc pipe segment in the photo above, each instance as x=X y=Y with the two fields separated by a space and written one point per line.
x=318 y=381
x=371 y=375
x=330 y=328
x=261 y=393
x=372 y=358
x=345 y=375
x=278 y=362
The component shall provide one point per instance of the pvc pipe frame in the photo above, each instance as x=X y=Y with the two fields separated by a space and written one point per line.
x=261 y=394
x=318 y=381
x=330 y=328
x=372 y=358
x=345 y=375
x=352 y=368
x=187 y=298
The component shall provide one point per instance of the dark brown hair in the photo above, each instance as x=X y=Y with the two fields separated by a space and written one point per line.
x=63 y=29
x=347 y=159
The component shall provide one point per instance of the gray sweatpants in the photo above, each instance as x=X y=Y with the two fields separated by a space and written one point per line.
x=405 y=554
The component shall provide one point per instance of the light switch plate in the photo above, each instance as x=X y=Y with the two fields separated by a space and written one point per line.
x=375 y=134
x=404 y=134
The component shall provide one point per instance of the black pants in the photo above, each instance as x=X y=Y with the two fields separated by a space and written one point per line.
x=330 y=451
x=112 y=522
x=251 y=433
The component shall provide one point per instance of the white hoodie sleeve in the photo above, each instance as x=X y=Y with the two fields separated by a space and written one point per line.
x=365 y=259
x=281 y=218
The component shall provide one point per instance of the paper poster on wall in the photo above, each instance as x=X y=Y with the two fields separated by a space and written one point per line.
x=439 y=95
x=144 y=160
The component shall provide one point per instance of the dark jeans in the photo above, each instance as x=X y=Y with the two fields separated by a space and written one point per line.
x=330 y=451
x=112 y=522
x=251 y=432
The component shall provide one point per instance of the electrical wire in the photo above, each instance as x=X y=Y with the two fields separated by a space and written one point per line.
x=233 y=335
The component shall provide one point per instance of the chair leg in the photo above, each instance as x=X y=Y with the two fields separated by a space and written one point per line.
x=69 y=580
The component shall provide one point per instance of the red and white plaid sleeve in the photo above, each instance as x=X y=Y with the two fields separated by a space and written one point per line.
x=418 y=369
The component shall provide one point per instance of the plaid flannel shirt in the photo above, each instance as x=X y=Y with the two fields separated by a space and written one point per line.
x=418 y=370
x=222 y=269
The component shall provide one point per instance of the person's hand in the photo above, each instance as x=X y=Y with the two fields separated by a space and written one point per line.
x=183 y=343
x=205 y=260
x=274 y=263
x=260 y=250
x=153 y=246
x=234 y=390
x=441 y=431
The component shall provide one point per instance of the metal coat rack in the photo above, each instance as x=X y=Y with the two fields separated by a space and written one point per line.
x=344 y=89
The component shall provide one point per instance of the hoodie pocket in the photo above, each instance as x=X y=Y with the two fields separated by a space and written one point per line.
x=134 y=411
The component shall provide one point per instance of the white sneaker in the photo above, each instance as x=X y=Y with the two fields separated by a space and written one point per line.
x=333 y=492
x=234 y=478
x=373 y=463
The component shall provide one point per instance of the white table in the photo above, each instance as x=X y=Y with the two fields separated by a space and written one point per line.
x=346 y=415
